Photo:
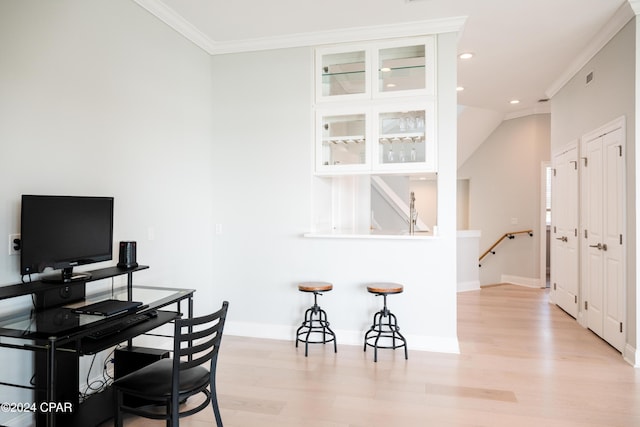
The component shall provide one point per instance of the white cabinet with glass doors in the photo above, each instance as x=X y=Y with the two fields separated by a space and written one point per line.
x=375 y=107
x=386 y=137
x=376 y=70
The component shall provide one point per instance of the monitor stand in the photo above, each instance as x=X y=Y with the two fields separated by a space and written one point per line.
x=67 y=276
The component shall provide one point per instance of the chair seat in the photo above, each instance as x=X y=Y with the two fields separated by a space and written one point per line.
x=154 y=380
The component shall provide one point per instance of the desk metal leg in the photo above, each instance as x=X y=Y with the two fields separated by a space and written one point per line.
x=130 y=286
x=130 y=298
x=51 y=380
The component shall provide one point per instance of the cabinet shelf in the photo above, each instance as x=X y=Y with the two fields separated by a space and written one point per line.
x=408 y=67
x=355 y=139
x=327 y=75
x=342 y=73
x=400 y=137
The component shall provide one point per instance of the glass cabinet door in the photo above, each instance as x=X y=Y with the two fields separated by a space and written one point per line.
x=405 y=140
x=343 y=73
x=405 y=68
x=343 y=141
x=401 y=68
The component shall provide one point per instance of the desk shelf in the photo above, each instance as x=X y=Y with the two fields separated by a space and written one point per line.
x=88 y=346
x=38 y=286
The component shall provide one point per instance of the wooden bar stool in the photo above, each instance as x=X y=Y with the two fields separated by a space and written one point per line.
x=315 y=319
x=385 y=324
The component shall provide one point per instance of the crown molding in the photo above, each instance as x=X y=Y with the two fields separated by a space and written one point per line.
x=622 y=16
x=357 y=34
x=405 y=29
x=177 y=22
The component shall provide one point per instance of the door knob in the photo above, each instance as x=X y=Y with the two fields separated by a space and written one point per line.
x=599 y=246
x=562 y=239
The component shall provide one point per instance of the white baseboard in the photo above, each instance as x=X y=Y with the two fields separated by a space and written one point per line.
x=528 y=282
x=630 y=355
x=344 y=336
x=260 y=330
x=473 y=285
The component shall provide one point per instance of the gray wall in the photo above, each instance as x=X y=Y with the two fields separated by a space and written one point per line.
x=504 y=185
x=579 y=108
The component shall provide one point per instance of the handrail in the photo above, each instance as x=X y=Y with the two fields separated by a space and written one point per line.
x=398 y=205
x=509 y=235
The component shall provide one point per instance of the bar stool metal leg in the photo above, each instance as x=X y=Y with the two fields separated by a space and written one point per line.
x=315 y=327
x=385 y=325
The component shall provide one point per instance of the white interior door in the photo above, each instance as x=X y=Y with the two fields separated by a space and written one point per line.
x=593 y=223
x=603 y=248
x=612 y=235
x=564 y=240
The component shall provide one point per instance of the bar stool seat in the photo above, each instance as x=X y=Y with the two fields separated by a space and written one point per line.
x=315 y=287
x=315 y=326
x=385 y=323
x=385 y=288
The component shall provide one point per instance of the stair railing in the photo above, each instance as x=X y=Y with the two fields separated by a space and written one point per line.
x=510 y=236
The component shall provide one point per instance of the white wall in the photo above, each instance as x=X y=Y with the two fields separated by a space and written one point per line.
x=263 y=162
x=579 y=108
x=504 y=187
x=101 y=98
x=468 y=252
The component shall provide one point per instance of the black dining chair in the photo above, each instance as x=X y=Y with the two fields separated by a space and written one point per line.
x=171 y=381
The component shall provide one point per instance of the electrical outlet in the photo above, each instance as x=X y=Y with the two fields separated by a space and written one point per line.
x=14 y=244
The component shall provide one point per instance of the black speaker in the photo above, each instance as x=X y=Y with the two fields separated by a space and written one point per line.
x=127 y=255
x=59 y=296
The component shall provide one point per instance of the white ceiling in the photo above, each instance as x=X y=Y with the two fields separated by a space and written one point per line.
x=524 y=49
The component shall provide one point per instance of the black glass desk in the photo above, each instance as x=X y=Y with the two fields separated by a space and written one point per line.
x=59 y=337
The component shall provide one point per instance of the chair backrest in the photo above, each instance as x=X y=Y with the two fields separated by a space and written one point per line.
x=198 y=339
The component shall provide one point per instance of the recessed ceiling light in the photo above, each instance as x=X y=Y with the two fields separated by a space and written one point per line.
x=514 y=101
x=391 y=85
x=466 y=55
x=459 y=88
x=385 y=69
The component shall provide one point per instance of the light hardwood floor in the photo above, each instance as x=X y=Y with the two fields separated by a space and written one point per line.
x=523 y=362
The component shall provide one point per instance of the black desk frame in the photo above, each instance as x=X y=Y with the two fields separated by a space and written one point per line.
x=48 y=349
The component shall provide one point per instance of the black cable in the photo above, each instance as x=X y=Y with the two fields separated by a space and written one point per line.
x=91 y=388
x=99 y=385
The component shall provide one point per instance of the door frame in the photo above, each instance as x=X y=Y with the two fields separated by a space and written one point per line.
x=618 y=123
x=544 y=246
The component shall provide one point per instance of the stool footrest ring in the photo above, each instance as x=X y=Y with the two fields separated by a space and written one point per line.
x=315 y=323
x=385 y=327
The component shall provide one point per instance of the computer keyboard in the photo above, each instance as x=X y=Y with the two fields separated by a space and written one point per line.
x=120 y=326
